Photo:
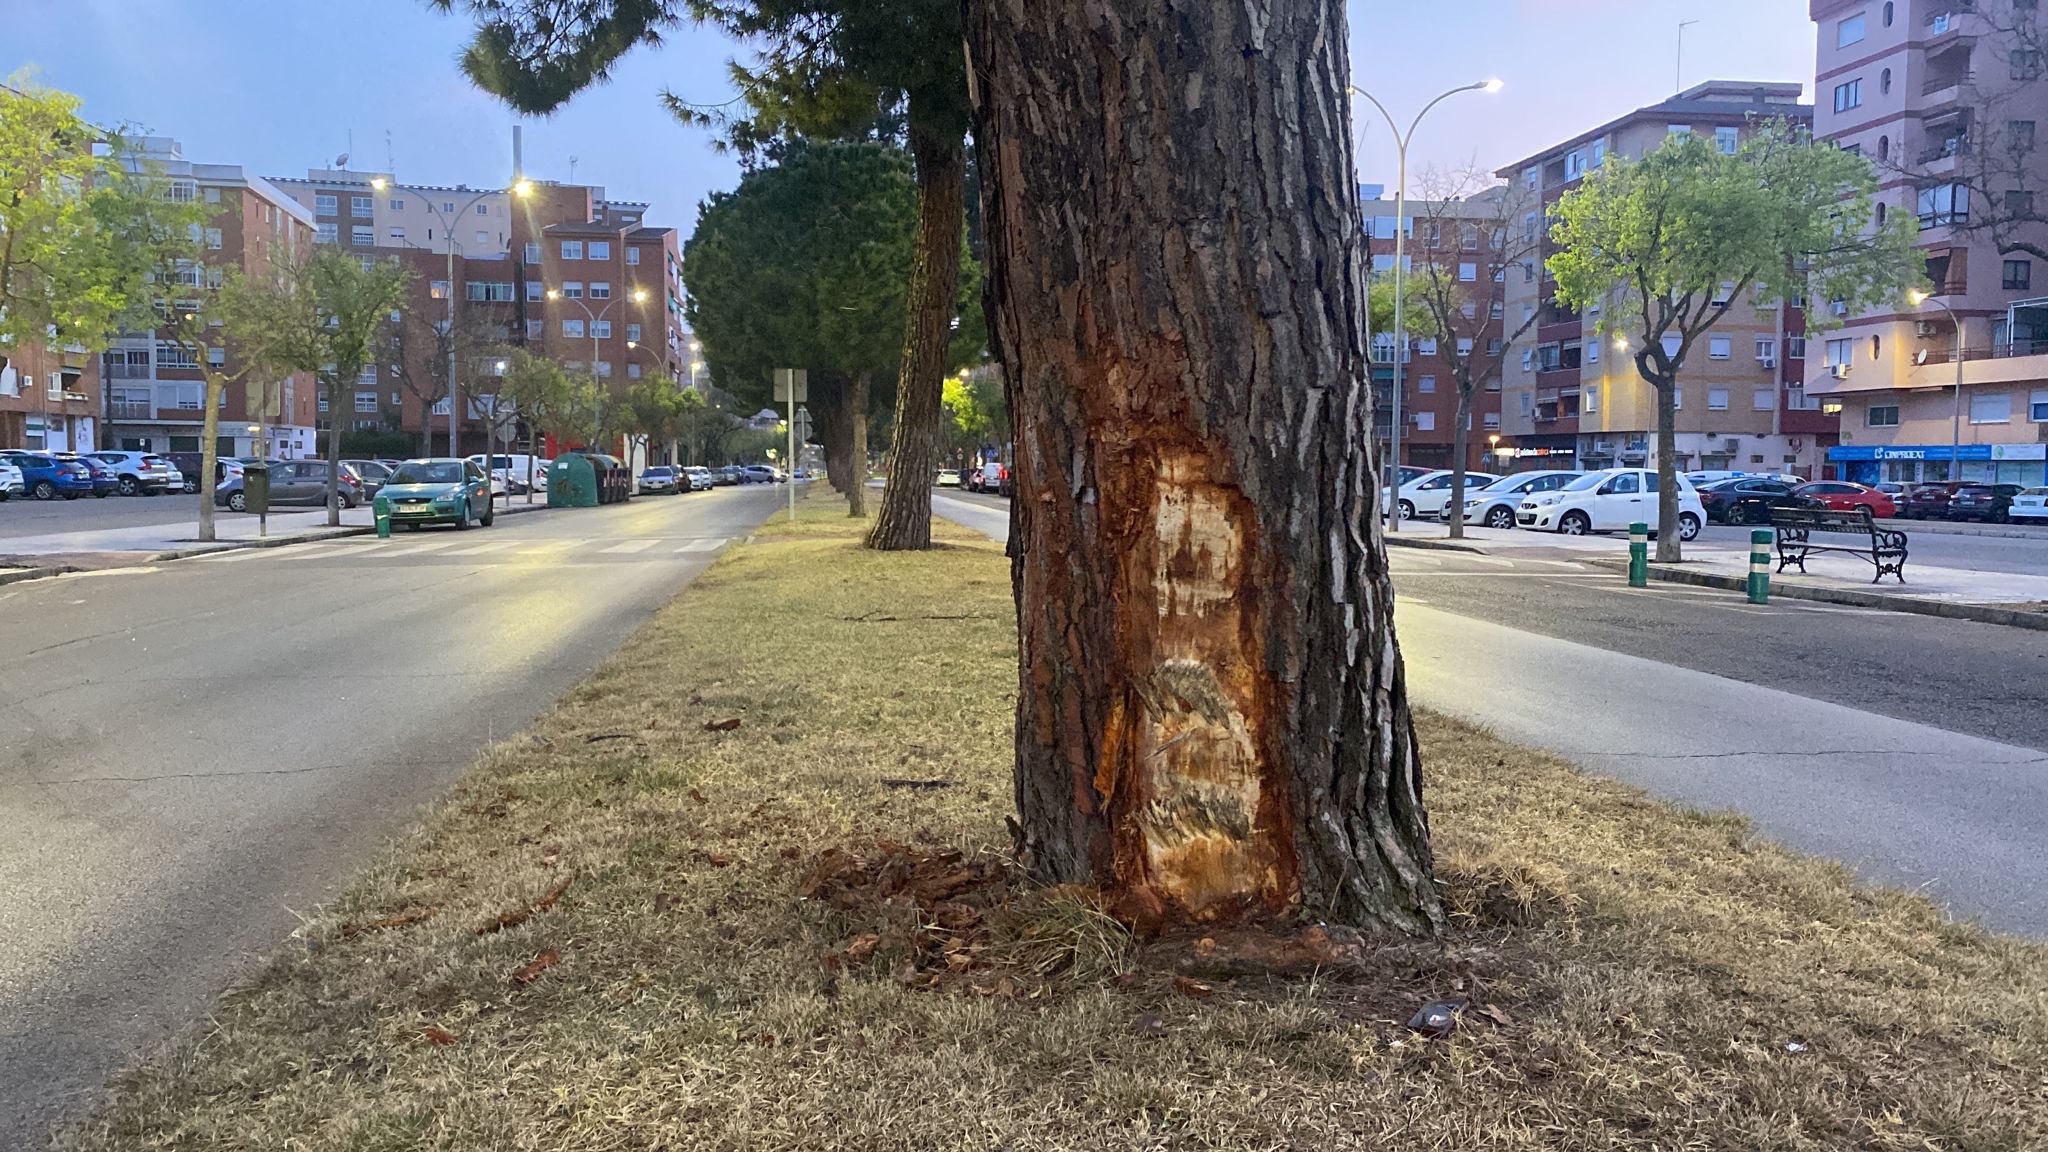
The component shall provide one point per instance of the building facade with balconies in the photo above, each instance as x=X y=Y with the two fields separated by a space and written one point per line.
x=1945 y=99
x=1570 y=399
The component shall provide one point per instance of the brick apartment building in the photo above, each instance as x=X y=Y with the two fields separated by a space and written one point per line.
x=1429 y=400
x=560 y=269
x=1946 y=101
x=153 y=393
x=1569 y=402
x=48 y=399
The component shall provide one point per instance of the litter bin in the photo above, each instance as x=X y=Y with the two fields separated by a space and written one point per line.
x=614 y=483
x=572 y=482
x=256 y=486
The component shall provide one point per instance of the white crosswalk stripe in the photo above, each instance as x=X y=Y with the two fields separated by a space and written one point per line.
x=480 y=549
x=703 y=545
x=627 y=547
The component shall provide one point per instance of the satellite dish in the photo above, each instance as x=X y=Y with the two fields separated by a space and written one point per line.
x=341 y=161
x=1920 y=357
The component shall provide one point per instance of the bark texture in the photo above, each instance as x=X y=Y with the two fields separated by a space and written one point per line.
x=1669 y=546
x=905 y=521
x=856 y=488
x=1461 y=436
x=1212 y=720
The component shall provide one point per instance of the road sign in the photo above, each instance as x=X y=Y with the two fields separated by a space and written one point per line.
x=803 y=425
x=784 y=378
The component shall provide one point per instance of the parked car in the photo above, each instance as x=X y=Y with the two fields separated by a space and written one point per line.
x=10 y=480
x=141 y=473
x=727 y=476
x=1843 y=496
x=45 y=477
x=438 y=491
x=188 y=465
x=1749 y=500
x=1427 y=494
x=373 y=473
x=2030 y=504
x=762 y=474
x=946 y=478
x=292 y=483
x=1713 y=476
x=1927 y=501
x=510 y=471
x=105 y=481
x=1987 y=502
x=701 y=478
x=658 y=479
x=991 y=477
x=1495 y=504
x=1609 y=501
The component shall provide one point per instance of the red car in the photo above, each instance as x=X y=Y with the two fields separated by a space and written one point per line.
x=1844 y=496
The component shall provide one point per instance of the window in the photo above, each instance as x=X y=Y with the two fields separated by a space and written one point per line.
x=1574 y=165
x=497 y=293
x=1493 y=421
x=1493 y=311
x=604 y=368
x=1599 y=152
x=1528 y=358
x=572 y=249
x=1795 y=347
x=1719 y=347
x=1881 y=416
x=212 y=196
x=324 y=203
x=1876 y=346
x=633 y=332
x=1884 y=86
x=535 y=329
x=325 y=233
x=1678 y=129
x=572 y=289
x=398 y=205
x=2024 y=63
x=1994 y=408
x=213 y=239
x=1717 y=399
x=1425 y=421
x=602 y=329
x=1766 y=350
x=398 y=234
x=1849 y=95
x=1528 y=271
x=1425 y=383
x=572 y=329
x=600 y=290
x=1464 y=345
x=1678 y=398
x=1426 y=346
x=2019 y=274
x=483 y=237
x=1468 y=272
x=1944 y=204
x=533 y=253
x=2019 y=135
x=1888 y=6
x=216 y=356
x=632 y=255
x=1528 y=403
x=361 y=206
x=1592 y=397
x=366 y=402
x=2019 y=203
x=1764 y=400
x=437 y=290
x=1468 y=237
x=1593 y=352
x=362 y=234
x=1725 y=140
x=600 y=249
x=2037 y=406
x=1849 y=31
x=1529 y=177
x=535 y=290
x=483 y=209
x=1840 y=352
x=1493 y=346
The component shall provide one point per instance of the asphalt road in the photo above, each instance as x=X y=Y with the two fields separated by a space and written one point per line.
x=1933 y=548
x=22 y=516
x=190 y=752
x=1911 y=747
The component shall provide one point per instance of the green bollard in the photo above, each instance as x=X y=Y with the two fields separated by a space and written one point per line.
x=381 y=513
x=1760 y=566
x=1639 y=555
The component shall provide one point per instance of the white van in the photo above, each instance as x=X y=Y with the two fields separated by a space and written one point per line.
x=510 y=470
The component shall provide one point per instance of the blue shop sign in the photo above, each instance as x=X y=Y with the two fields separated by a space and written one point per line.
x=1909 y=452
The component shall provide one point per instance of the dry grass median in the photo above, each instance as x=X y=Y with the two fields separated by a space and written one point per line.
x=645 y=926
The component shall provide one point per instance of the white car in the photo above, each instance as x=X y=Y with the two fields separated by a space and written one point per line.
x=1427 y=494
x=1497 y=504
x=1609 y=501
x=2030 y=504
x=509 y=471
x=10 y=480
x=143 y=473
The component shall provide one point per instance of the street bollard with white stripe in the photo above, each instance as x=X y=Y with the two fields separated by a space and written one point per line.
x=1639 y=555
x=1760 y=566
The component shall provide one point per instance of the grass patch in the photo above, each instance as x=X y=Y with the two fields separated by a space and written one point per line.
x=602 y=940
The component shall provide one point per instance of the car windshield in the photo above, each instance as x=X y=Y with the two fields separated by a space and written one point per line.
x=428 y=472
x=1586 y=483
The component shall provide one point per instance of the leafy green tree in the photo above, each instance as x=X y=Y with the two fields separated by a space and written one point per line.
x=804 y=265
x=823 y=69
x=81 y=234
x=1673 y=241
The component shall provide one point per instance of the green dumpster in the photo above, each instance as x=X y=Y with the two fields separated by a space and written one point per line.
x=572 y=482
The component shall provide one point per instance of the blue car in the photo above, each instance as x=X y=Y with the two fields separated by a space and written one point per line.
x=105 y=481
x=45 y=477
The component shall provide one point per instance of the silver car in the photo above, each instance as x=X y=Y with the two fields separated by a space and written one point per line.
x=10 y=480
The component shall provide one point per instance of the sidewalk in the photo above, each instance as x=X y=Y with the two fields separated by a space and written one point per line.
x=1829 y=575
x=23 y=556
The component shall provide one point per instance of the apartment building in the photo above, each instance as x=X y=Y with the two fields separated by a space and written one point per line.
x=1944 y=98
x=1446 y=233
x=559 y=268
x=154 y=391
x=1570 y=399
x=49 y=399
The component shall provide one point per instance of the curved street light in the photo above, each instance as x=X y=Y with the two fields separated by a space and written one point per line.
x=1401 y=140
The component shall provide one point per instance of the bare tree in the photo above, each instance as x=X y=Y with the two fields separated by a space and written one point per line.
x=1465 y=219
x=417 y=351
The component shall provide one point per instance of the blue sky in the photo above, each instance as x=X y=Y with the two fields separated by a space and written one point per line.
x=280 y=85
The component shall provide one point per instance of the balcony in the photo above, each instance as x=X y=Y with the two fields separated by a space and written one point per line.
x=1945 y=149
x=130 y=410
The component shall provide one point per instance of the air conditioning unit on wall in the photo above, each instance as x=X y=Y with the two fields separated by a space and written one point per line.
x=1927 y=328
x=1839 y=371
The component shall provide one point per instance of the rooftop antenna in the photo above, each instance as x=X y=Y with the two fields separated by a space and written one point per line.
x=390 y=153
x=572 y=170
x=1678 y=72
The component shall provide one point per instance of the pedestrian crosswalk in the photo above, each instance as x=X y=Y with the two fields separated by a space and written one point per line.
x=470 y=548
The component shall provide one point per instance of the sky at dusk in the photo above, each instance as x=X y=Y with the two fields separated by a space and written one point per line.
x=280 y=85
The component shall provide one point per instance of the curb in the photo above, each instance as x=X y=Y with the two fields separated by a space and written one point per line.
x=1397 y=541
x=1946 y=528
x=1979 y=613
x=21 y=574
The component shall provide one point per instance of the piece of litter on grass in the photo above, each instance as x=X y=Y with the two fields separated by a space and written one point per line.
x=541 y=963
x=1795 y=1046
x=438 y=1036
x=1187 y=986
x=722 y=725
x=920 y=785
x=1149 y=1027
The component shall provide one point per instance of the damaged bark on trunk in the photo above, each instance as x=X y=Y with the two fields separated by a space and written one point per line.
x=1212 y=721
x=905 y=521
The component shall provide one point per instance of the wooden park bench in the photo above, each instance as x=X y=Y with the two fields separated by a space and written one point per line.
x=1851 y=531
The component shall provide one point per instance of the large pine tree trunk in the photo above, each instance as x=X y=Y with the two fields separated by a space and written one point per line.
x=857 y=448
x=828 y=416
x=1212 y=721
x=905 y=521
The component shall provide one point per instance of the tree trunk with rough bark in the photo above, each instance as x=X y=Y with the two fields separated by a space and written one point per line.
x=209 y=439
x=1669 y=545
x=1212 y=721
x=857 y=448
x=829 y=420
x=1461 y=436
x=905 y=522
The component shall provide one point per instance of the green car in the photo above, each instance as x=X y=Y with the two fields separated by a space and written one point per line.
x=437 y=491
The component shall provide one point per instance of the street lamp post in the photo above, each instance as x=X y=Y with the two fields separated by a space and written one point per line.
x=1955 y=435
x=1401 y=140
x=521 y=188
